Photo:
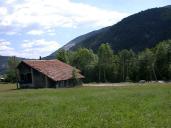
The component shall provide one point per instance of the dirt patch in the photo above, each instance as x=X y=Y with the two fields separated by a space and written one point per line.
x=109 y=84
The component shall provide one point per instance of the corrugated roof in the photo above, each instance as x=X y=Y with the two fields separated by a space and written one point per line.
x=54 y=69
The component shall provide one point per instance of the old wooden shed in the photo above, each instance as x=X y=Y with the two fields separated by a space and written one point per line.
x=46 y=74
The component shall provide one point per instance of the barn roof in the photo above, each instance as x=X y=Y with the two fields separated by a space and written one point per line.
x=54 y=69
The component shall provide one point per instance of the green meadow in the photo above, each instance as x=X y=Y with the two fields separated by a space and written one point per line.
x=138 y=106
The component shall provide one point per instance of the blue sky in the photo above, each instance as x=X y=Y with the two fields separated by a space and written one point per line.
x=33 y=28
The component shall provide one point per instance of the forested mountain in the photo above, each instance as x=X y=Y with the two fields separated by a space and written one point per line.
x=4 y=63
x=137 y=32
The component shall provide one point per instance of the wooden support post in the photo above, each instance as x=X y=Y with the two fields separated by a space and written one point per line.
x=46 y=80
x=17 y=85
x=18 y=78
x=59 y=83
x=62 y=84
x=32 y=77
x=56 y=84
x=67 y=83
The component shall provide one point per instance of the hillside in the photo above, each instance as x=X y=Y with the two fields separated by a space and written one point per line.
x=77 y=40
x=4 y=63
x=139 y=31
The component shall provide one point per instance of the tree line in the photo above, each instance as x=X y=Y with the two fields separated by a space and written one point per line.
x=106 y=65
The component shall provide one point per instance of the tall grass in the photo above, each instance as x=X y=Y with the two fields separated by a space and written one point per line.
x=86 y=107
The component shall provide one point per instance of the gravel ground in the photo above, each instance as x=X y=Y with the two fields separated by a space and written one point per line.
x=110 y=84
x=126 y=84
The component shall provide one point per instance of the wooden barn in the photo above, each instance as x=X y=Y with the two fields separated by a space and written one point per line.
x=46 y=74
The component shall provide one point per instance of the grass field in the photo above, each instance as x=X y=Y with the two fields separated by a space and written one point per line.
x=147 y=106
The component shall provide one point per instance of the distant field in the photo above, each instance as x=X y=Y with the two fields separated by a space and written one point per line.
x=147 y=106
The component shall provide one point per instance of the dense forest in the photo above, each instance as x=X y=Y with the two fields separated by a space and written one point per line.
x=107 y=65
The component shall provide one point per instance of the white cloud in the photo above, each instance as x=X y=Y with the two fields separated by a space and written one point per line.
x=52 y=33
x=30 y=49
x=6 y=49
x=35 y=32
x=11 y=33
x=5 y=46
x=4 y=43
x=10 y=1
x=59 y=13
x=3 y=11
x=36 y=17
x=36 y=48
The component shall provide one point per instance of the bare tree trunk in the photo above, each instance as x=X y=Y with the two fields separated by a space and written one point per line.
x=99 y=74
x=123 y=70
x=154 y=73
x=104 y=75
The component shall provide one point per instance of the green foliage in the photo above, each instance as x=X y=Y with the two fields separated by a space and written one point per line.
x=62 y=55
x=85 y=60
x=105 y=55
x=86 y=107
x=127 y=64
x=106 y=66
x=169 y=71
x=12 y=72
x=147 y=61
x=74 y=77
x=163 y=56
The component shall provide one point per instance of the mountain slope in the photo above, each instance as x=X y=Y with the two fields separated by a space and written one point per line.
x=4 y=63
x=139 y=31
x=77 y=40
